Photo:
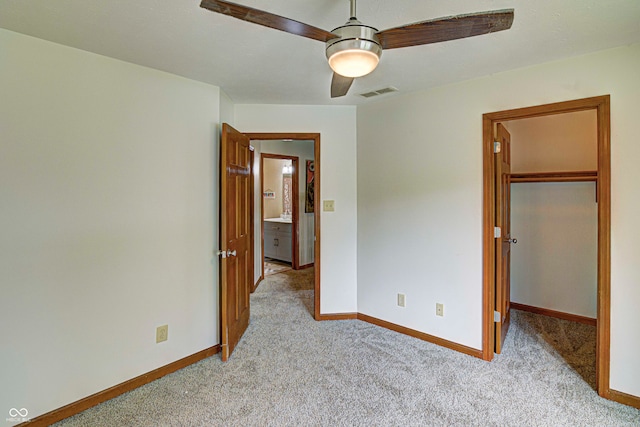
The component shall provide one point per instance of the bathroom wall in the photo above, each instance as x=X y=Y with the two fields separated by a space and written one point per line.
x=273 y=182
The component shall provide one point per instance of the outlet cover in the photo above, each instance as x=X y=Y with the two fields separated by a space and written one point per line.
x=162 y=333
x=439 y=309
x=401 y=300
x=328 y=206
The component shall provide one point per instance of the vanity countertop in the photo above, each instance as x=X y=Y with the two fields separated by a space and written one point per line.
x=280 y=220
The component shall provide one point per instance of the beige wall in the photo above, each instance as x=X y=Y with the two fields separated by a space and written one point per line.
x=561 y=142
x=273 y=182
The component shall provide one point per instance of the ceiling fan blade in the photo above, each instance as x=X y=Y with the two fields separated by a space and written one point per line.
x=444 y=29
x=267 y=19
x=340 y=85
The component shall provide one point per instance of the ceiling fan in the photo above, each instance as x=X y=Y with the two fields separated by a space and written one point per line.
x=354 y=49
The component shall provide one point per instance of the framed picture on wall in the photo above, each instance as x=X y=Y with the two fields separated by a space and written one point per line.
x=310 y=175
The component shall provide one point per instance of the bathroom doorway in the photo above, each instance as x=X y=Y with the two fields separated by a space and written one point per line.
x=279 y=182
x=306 y=252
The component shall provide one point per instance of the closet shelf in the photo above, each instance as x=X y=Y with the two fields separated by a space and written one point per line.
x=573 y=176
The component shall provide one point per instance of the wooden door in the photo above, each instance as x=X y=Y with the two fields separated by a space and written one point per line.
x=503 y=243
x=235 y=237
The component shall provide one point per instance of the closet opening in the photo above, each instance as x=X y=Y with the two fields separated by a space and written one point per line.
x=546 y=221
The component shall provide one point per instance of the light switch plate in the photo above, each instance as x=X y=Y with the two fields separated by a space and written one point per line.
x=328 y=205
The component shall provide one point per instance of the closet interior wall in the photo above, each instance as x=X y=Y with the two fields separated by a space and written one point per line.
x=554 y=212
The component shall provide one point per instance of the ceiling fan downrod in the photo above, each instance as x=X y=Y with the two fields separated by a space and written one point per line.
x=353 y=9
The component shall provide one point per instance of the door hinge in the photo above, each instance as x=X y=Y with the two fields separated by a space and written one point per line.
x=221 y=254
x=497 y=146
x=497 y=232
x=497 y=317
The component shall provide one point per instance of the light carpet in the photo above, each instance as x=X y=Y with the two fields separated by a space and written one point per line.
x=290 y=370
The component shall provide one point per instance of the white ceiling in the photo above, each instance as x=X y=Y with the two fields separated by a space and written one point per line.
x=254 y=64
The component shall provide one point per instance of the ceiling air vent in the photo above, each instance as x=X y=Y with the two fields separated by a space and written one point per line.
x=379 y=92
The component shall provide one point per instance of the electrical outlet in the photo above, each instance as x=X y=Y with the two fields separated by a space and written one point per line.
x=439 y=309
x=328 y=206
x=162 y=333
x=401 y=300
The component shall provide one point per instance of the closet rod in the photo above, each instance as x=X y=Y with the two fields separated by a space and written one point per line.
x=573 y=176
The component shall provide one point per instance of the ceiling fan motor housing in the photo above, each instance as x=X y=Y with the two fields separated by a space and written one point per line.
x=354 y=38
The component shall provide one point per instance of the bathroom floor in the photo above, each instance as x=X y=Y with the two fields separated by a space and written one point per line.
x=273 y=266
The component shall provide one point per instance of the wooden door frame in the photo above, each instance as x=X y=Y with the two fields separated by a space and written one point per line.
x=315 y=137
x=295 y=246
x=252 y=262
x=602 y=106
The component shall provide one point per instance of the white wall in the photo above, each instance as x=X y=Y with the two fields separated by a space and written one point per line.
x=257 y=212
x=420 y=197
x=227 y=109
x=337 y=128
x=304 y=150
x=554 y=264
x=108 y=176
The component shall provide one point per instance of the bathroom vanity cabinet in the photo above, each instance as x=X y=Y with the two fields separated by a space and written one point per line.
x=277 y=239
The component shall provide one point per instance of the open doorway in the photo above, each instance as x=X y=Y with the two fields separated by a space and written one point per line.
x=238 y=222
x=554 y=215
x=303 y=149
x=497 y=240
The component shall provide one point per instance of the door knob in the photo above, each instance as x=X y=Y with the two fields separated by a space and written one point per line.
x=231 y=252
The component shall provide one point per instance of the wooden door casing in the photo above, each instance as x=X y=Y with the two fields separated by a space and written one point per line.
x=602 y=105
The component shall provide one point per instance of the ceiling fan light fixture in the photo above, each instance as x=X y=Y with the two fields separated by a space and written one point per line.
x=353 y=62
x=355 y=52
